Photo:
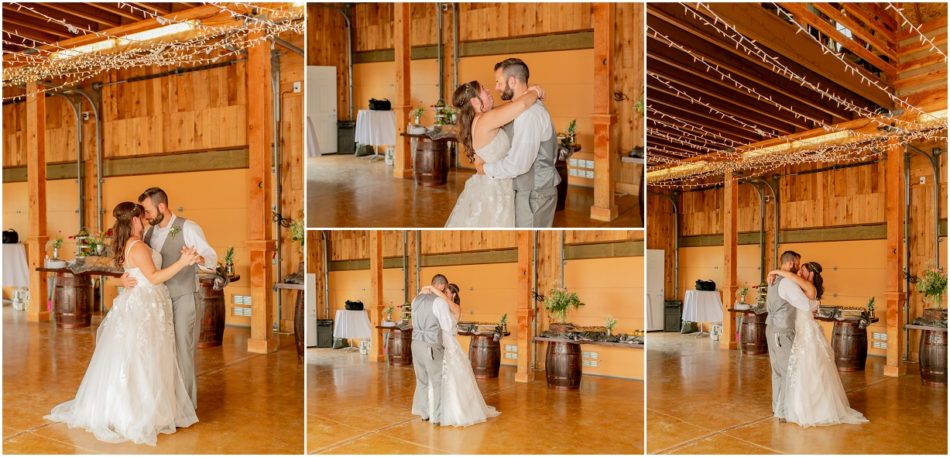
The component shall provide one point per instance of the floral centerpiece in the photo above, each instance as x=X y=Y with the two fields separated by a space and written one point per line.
x=932 y=285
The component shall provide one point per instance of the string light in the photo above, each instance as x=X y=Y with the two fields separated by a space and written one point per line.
x=920 y=35
x=61 y=67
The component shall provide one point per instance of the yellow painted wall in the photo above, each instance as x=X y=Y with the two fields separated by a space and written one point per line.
x=488 y=291
x=854 y=271
x=568 y=88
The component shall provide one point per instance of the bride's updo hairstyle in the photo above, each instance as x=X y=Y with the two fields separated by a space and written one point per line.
x=122 y=230
x=815 y=269
x=462 y=99
x=455 y=290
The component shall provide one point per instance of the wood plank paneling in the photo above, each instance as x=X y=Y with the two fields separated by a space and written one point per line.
x=326 y=46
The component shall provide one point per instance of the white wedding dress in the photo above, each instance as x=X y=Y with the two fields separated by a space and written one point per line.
x=813 y=391
x=462 y=402
x=132 y=389
x=486 y=201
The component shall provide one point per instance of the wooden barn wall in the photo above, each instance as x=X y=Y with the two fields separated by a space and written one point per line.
x=921 y=72
x=326 y=46
x=628 y=79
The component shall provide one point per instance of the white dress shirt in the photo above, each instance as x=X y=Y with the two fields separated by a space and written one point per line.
x=793 y=294
x=194 y=238
x=530 y=128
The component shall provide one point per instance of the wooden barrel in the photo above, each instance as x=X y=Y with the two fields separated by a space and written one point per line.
x=432 y=162
x=485 y=355
x=561 y=167
x=850 y=343
x=563 y=365
x=72 y=301
x=933 y=357
x=212 y=319
x=298 y=324
x=752 y=334
x=400 y=347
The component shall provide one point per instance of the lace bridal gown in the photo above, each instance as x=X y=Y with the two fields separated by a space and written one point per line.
x=814 y=394
x=486 y=201
x=462 y=402
x=132 y=389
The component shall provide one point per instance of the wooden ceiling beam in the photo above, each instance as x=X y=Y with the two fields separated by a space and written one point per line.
x=805 y=15
x=112 y=8
x=702 y=120
x=29 y=23
x=666 y=144
x=871 y=21
x=40 y=11
x=734 y=110
x=89 y=13
x=737 y=62
x=888 y=49
x=773 y=32
x=686 y=68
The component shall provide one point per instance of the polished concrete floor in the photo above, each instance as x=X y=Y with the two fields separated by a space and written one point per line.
x=355 y=406
x=346 y=191
x=247 y=403
x=704 y=400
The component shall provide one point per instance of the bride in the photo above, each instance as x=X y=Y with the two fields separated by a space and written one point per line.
x=813 y=391
x=486 y=201
x=133 y=389
x=462 y=402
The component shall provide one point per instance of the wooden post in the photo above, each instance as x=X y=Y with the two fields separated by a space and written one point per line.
x=549 y=274
x=894 y=293
x=606 y=161
x=411 y=244
x=315 y=266
x=260 y=135
x=376 y=293
x=730 y=236
x=525 y=312
x=402 y=103
x=38 y=310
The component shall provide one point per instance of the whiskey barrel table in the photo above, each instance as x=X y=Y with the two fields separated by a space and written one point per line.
x=484 y=352
x=214 y=311
x=933 y=354
x=563 y=360
x=850 y=343
x=399 y=341
x=72 y=295
x=298 y=314
x=752 y=339
x=431 y=161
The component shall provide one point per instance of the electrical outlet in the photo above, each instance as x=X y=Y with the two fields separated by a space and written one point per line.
x=247 y=300
x=297 y=86
x=85 y=115
x=593 y=355
x=923 y=180
x=592 y=363
x=586 y=363
x=585 y=354
x=883 y=337
x=237 y=299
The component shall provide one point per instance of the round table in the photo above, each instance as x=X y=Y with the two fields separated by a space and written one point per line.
x=376 y=128
x=702 y=306
x=16 y=272
x=352 y=325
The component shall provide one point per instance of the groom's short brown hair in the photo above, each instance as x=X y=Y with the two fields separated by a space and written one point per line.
x=156 y=194
x=790 y=256
x=439 y=279
x=514 y=67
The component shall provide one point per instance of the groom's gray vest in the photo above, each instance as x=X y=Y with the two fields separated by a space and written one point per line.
x=542 y=173
x=425 y=326
x=184 y=282
x=781 y=312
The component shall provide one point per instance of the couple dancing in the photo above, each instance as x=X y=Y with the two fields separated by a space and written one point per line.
x=446 y=391
x=141 y=379
x=514 y=149
x=806 y=388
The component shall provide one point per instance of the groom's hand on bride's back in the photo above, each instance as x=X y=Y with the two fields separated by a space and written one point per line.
x=127 y=281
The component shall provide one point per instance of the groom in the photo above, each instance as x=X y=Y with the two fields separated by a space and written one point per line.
x=170 y=234
x=430 y=315
x=532 y=156
x=781 y=300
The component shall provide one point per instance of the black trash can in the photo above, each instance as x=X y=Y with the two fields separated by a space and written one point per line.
x=672 y=315
x=346 y=137
x=324 y=333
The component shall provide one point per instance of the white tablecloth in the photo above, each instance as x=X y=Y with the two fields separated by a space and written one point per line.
x=702 y=306
x=16 y=273
x=352 y=325
x=375 y=128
